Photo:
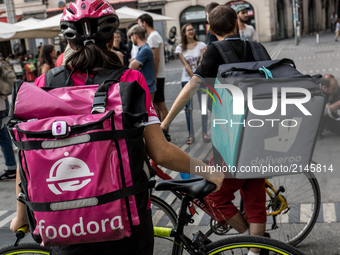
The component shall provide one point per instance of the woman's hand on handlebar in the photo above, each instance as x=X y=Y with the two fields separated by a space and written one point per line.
x=17 y=223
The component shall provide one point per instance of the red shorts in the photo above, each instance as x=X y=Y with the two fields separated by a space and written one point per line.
x=253 y=195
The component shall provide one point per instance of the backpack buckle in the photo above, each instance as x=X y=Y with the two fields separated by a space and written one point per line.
x=98 y=109
x=60 y=129
x=99 y=102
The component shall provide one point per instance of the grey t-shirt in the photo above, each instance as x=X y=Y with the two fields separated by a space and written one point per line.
x=155 y=41
x=249 y=34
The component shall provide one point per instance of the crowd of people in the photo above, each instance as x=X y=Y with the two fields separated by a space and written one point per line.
x=145 y=53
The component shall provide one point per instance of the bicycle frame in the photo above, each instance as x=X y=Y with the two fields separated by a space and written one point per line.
x=180 y=238
x=270 y=190
x=275 y=193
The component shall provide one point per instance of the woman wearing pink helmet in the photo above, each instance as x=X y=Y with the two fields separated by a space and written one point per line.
x=89 y=26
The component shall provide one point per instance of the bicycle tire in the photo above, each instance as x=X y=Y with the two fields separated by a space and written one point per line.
x=295 y=225
x=25 y=249
x=241 y=244
x=163 y=216
x=159 y=204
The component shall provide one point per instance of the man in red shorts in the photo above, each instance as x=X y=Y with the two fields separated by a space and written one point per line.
x=223 y=23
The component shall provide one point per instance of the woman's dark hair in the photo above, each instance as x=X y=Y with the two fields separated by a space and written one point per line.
x=93 y=58
x=45 y=57
x=222 y=20
x=184 y=40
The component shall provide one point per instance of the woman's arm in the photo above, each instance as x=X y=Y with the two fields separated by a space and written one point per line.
x=181 y=100
x=170 y=156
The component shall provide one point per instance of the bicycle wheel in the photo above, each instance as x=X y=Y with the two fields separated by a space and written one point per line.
x=25 y=249
x=163 y=216
x=302 y=193
x=240 y=246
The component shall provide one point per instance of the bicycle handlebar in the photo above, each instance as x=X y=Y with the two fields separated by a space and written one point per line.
x=20 y=234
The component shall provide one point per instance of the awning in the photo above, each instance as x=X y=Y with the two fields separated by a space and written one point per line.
x=135 y=13
x=49 y=28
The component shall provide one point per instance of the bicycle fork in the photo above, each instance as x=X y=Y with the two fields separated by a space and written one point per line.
x=277 y=203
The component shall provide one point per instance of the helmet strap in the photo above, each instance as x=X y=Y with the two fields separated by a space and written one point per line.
x=87 y=41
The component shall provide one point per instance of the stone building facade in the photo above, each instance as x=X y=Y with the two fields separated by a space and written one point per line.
x=273 y=19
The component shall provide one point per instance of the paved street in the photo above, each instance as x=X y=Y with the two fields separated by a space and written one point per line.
x=310 y=58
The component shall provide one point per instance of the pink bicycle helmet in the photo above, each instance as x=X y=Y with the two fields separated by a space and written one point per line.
x=89 y=20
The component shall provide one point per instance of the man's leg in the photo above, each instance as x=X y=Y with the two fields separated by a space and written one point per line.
x=221 y=206
x=7 y=150
x=161 y=110
x=332 y=125
x=254 y=198
x=238 y=222
x=257 y=229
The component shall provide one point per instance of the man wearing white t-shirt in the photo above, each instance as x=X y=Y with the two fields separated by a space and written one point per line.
x=156 y=43
x=247 y=32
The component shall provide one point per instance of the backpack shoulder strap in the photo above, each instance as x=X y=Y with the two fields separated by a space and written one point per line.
x=259 y=52
x=57 y=77
x=226 y=51
x=113 y=74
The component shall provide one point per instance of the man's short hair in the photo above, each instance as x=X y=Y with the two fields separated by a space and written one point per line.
x=137 y=30
x=222 y=20
x=147 y=18
x=210 y=7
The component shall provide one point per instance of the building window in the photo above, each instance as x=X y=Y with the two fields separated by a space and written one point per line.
x=196 y=16
x=2 y=1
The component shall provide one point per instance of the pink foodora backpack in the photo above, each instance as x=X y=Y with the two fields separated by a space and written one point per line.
x=82 y=156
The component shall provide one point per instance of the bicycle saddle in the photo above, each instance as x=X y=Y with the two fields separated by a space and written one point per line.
x=195 y=188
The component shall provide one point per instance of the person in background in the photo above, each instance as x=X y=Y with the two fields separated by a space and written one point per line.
x=333 y=19
x=223 y=22
x=331 y=118
x=133 y=49
x=32 y=59
x=247 y=32
x=6 y=145
x=144 y=60
x=46 y=59
x=156 y=43
x=99 y=47
x=119 y=46
x=211 y=38
x=190 y=52
x=337 y=29
x=31 y=68
x=39 y=49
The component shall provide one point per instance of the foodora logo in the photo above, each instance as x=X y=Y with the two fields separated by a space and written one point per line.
x=239 y=99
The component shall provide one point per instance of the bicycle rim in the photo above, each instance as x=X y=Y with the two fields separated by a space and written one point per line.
x=302 y=193
x=24 y=249
x=163 y=216
x=241 y=245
